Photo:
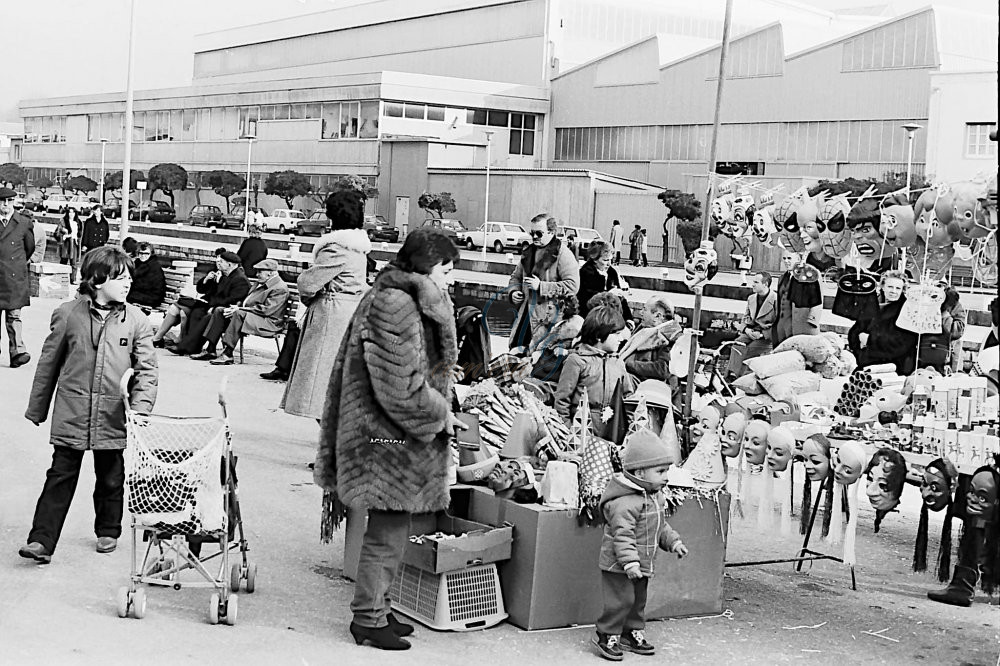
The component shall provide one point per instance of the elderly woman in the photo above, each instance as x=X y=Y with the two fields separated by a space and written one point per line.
x=387 y=422
x=253 y=250
x=877 y=339
x=331 y=288
x=597 y=275
x=647 y=353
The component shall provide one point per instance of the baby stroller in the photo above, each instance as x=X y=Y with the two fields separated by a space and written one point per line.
x=180 y=488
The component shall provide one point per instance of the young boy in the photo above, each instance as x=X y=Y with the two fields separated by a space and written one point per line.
x=93 y=340
x=634 y=528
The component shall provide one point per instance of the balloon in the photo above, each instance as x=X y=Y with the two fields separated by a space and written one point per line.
x=969 y=210
x=897 y=222
x=934 y=212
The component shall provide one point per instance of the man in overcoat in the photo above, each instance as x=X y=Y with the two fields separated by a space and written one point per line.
x=17 y=243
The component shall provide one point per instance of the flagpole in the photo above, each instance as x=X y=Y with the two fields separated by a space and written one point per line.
x=706 y=222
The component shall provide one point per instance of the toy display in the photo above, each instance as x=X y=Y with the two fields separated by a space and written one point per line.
x=937 y=489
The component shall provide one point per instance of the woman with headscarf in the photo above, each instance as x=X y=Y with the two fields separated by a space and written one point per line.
x=387 y=422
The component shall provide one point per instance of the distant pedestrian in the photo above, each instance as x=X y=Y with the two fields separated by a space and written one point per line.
x=94 y=339
x=617 y=237
x=253 y=249
x=95 y=231
x=67 y=236
x=635 y=245
x=17 y=243
x=644 y=247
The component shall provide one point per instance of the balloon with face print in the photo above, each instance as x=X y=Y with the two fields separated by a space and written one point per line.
x=897 y=222
x=969 y=202
x=863 y=224
x=834 y=236
x=721 y=210
x=755 y=441
x=762 y=224
x=934 y=212
x=786 y=221
x=743 y=210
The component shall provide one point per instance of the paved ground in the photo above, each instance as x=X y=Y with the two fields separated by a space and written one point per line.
x=64 y=613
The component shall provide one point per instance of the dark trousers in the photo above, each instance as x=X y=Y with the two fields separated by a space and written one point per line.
x=381 y=556
x=217 y=323
x=288 y=347
x=624 y=603
x=645 y=260
x=194 y=335
x=60 y=486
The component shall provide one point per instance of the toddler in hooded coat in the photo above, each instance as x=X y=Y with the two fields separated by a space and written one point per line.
x=635 y=526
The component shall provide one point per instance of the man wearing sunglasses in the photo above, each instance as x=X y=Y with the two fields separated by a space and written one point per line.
x=546 y=271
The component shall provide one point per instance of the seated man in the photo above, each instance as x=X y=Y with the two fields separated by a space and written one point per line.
x=262 y=313
x=225 y=287
x=647 y=352
x=179 y=311
x=754 y=338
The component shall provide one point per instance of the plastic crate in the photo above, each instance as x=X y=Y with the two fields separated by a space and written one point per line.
x=463 y=600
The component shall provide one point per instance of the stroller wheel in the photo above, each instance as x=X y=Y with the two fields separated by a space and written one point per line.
x=251 y=578
x=122 y=599
x=213 y=608
x=139 y=604
x=232 y=604
x=235 y=576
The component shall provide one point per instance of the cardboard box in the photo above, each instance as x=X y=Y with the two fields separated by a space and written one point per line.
x=480 y=544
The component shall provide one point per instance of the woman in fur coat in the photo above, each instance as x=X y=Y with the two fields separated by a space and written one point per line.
x=879 y=340
x=331 y=288
x=387 y=423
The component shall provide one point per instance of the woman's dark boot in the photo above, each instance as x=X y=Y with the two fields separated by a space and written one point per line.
x=383 y=638
x=401 y=629
x=960 y=591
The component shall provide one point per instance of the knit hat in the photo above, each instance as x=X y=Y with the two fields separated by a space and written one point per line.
x=644 y=449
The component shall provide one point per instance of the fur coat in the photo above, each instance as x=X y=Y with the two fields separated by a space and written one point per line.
x=384 y=442
x=331 y=288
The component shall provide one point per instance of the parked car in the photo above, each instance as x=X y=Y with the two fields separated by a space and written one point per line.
x=499 y=236
x=578 y=239
x=113 y=207
x=236 y=217
x=379 y=229
x=153 y=211
x=34 y=201
x=56 y=203
x=283 y=220
x=316 y=224
x=454 y=229
x=204 y=215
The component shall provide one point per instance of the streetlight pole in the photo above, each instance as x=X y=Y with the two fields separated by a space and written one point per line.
x=104 y=143
x=911 y=129
x=486 y=208
x=249 y=136
x=128 y=122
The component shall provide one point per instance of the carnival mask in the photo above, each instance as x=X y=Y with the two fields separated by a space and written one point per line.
x=896 y=222
x=886 y=475
x=701 y=265
x=817 y=459
x=780 y=446
x=848 y=463
x=721 y=210
x=863 y=222
x=970 y=210
x=763 y=225
x=805 y=273
x=733 y=427
x=808 y=231
x=743 y=211
x=934 y=211
x=858 y=285
x=787 y=223
x=937 y=485
x=755 y=441
x=834 y=236
x=708 y=422
x=981 y=500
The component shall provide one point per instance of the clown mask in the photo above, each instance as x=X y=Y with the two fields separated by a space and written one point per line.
x=780 y=447
x=701 y=265
x=763 y=225
x=732 y=434
x=743 y=212
x=755 y=441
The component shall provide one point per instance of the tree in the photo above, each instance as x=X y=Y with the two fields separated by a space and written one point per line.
x=437 y=204
x=43 y=183
x=225 y=184
x=113 y=181
x=81 y=184
x=356 y=183
x=13 y=174
x=287 y=185
x=687 y=209
x=167 y=178
x=896 y=180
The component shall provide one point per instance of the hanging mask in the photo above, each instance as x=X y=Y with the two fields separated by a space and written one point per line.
x=808 y=229
x=864 y=284
x=732 y=434
x=701 y=265
x=934 y=212
x=886 y=477
x=742 y=216
x=834 y=235
x=863 y=222
x=981 y=497
x=896 y=222
x=970 y=213
x=805 y=273
x=787 y=223
x=721 y=211
x=938 y=484
x=763 y=226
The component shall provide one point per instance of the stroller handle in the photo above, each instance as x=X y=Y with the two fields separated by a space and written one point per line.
x=123 y=386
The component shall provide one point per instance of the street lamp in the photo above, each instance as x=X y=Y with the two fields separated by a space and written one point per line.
x=486 y=208
x=250 y=136
x=104 y=143
x=911 y=129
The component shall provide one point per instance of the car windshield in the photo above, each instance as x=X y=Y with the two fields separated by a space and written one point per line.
x=454 y=225
x=297 y=214
x=318 y=215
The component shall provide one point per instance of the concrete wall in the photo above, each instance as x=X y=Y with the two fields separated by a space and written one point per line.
x=957 y=99
x=403 y=173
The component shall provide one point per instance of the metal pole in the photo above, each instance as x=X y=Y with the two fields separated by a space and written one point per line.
x=696 y=320
x=104 y=143
x=246 y=206
x=909 y=159
x=486 y=207
x=128 y=123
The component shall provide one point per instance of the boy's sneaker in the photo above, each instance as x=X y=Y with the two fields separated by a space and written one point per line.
x=608 y=647
x=635 y=641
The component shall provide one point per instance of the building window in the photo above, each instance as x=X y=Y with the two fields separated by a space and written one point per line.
x=393 y=109
x=435 y=113
x=476 y=116
x=349 y=120
x=977 y=140
x=414 y=111
x=331 y=121
x=368 y=128
x=522 y=134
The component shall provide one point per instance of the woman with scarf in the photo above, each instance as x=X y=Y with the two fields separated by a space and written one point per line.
x=877 y=339
x=387 y=421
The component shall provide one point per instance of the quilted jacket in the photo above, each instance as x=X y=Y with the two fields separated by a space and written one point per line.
x=635 y=525
x=383 y=441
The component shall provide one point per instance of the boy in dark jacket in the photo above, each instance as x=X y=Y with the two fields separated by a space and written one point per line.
x=634 y=528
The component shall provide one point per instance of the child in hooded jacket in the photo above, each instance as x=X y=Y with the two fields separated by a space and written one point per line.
x=635 y=527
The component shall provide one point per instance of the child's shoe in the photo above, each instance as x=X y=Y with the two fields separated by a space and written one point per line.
x=608 y=647
x=634 y=641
